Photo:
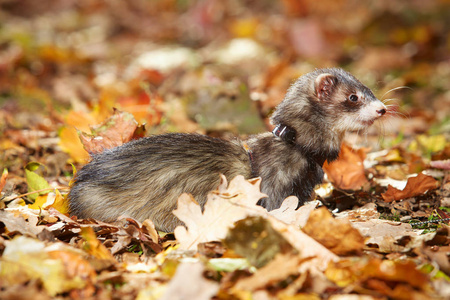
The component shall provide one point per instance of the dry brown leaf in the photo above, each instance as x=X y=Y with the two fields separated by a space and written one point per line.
x=15 y=223
x=364 y=213
x=395 y=279
x=306 y=246
x=337 y=235
x=279 y=269
x=414 y=187
x=387 y=236
x=189 y=283
x=115 y=131
x=347 y=172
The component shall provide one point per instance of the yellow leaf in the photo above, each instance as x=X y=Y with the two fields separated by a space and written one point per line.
x=71 y=144
x=39 y=203
x=433 y=143
x=93 y=246
x=61 y=203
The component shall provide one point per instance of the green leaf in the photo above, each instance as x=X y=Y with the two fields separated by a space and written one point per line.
x=35 y=181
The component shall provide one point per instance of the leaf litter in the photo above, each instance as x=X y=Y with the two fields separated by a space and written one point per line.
x=386 y=235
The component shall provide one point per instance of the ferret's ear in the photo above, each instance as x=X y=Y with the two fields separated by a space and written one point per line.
x=325 y=84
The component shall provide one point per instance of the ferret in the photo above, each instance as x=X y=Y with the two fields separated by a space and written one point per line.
x=143 y=179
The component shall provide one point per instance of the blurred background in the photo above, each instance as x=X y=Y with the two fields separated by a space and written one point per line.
x=210 y=66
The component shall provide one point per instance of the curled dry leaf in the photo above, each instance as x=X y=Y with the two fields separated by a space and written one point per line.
x=115 y=131
x=414 y=187
x=347 y=172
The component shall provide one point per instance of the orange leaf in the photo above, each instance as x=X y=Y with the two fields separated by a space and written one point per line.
x=336 y=235
x=414 y=187
x=3 y=179
x=115 y=131
x=347 y=172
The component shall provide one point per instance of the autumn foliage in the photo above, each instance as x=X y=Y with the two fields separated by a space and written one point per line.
x=79 y=77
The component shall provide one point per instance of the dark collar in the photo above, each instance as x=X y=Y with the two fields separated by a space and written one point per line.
x=285 y=133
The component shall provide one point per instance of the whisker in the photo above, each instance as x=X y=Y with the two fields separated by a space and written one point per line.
x=389 y=99
x=397 y=88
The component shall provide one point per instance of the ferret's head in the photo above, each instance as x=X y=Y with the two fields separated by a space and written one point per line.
x=333 y=97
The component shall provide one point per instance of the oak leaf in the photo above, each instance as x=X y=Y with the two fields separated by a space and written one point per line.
x=223 y=207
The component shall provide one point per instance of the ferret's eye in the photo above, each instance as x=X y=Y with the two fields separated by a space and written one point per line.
x=353 y=98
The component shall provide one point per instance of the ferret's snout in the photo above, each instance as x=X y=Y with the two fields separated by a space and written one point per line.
x=381 y=112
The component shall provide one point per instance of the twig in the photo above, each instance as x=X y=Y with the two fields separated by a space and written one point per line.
x=38 y=191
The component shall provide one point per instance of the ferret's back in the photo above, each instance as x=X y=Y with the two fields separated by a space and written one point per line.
x=152 y=173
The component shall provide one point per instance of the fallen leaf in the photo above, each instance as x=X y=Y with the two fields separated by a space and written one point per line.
x=280 y=268
x=364 y=213
x=289 y=214
x=61 y=203
x=306 y=246
x=115 y=131
x=387 y=236
x=93 y=246
x=71 y=144
x=26 y=259
x=3 y=179
x=35 y=181
x=223 y=207
x=15 y=223
x=255 y=239
x=190 y=283
x=347 y=172
x=337 y=235
x=395 y=279
x=415 y=186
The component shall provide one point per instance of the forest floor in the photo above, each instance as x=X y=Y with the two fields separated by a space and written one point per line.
x=74 y=71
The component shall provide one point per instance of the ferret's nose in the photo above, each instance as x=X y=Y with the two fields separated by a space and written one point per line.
x=381 y=111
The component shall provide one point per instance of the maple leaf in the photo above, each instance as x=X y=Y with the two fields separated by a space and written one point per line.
x=223 y=207
x=415 y=186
